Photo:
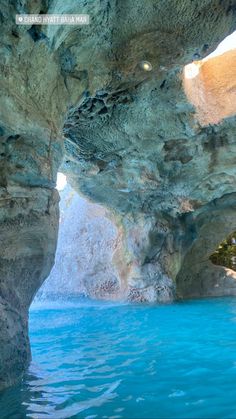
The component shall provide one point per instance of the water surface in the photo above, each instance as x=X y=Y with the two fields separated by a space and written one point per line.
x=103 y=360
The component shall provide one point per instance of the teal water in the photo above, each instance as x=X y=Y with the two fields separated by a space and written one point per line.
x=100 y=360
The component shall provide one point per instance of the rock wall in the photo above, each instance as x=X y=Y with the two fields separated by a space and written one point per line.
x=132 y=143
x=90 y=257
x=29 y=225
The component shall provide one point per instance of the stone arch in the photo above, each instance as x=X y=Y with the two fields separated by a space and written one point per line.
x=41 y=79
x=198 y=276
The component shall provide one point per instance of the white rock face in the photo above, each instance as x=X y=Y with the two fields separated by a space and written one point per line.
x=87 y=242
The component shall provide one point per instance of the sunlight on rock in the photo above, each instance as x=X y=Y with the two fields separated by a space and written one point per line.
x=227 y=44
x=61 y=181
x=191 y=70
x=210 y=84
x=117 y=184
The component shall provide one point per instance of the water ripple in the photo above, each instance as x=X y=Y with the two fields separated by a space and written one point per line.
x=104 y=360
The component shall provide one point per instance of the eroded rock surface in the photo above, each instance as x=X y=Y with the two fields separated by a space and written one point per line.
x=132 y=143
x=89 y=259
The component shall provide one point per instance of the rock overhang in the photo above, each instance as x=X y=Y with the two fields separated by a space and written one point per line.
x=132 y=142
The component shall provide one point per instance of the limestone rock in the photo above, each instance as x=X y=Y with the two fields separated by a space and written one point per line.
x=132 y=143
x=89 y=242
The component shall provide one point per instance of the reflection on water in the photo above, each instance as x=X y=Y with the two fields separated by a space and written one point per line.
x=102 y=360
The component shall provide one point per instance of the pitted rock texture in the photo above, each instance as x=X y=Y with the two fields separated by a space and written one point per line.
x=132 y=143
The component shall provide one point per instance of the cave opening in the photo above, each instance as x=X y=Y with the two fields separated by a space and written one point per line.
x=88 y=244
x=108 y=100
x=225 y=253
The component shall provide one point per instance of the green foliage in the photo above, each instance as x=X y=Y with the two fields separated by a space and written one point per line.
x=225 y=254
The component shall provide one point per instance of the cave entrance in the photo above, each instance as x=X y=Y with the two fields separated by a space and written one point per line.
x=88 y=251
x=225 y=253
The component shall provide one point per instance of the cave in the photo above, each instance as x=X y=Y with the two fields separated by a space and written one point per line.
x=89 y=241
x=136 y=108
x=224 y=254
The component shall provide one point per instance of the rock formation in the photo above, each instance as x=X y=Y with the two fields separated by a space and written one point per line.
x=133 y=143
x=89 y=258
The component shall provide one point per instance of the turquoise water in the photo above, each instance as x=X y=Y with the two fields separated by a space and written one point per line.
x=101 y=360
